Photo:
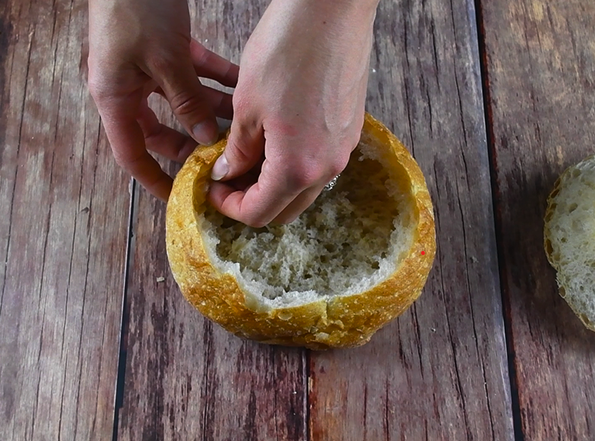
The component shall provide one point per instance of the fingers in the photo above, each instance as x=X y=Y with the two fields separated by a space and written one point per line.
x=162 y=139
x=147 y=171
x=245 y=149
x=128 y=144
x=125 y=67
x=258 y=204
x=210 y=65
x=298 y=205
x=220 y=102
x=188 y=100
x=170 y=143
x=285 y=188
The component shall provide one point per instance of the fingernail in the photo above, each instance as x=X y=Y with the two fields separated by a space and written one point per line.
x=205 y=133
x=220 y=169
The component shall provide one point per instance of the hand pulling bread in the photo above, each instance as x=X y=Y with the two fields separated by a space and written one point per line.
x=351 y=263
x=569 y=238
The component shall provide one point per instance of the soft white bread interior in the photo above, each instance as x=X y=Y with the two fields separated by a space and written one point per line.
x=353 y=261
x=570 y=238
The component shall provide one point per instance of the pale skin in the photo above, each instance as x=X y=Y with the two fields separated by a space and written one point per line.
x=297 y=107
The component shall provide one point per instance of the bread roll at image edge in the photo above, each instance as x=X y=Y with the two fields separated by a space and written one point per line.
x=338 y=321
x=569 y=243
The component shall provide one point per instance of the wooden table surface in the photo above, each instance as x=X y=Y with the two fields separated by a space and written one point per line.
x=493 y=97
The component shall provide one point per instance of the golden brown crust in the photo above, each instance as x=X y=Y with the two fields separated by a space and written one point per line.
x=342 y=321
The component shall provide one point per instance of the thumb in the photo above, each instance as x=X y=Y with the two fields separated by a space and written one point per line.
x=189 y=102
x=244 y=149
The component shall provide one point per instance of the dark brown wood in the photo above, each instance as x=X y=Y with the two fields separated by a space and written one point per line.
x=440 y=370
x=63 y=218
x=186 y=378
x=540 y=62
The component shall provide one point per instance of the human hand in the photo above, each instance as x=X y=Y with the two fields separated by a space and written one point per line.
x=298 y=108
x=137 y=47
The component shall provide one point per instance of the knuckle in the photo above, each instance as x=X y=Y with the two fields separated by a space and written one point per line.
x=241 y=104
x=355 y=139
x=303 y=176
x=336 y=167
x=125 y=162
x=202 y=55
x=161 y=63
x=129 y=161
x=184 y=103
x=96 y=86
x=237 y=153
x=101 y=77
x=310 y=173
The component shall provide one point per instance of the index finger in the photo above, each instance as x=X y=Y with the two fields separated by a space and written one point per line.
x=127 y=140
x=208 y=64
x=261 y=202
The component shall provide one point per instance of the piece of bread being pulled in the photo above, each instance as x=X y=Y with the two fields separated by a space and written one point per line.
x=352 y=262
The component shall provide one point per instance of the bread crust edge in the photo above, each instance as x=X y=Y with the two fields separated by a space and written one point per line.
x=343 y=321
x=548 y=245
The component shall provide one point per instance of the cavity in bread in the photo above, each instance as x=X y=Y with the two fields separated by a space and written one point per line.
x=346 y=242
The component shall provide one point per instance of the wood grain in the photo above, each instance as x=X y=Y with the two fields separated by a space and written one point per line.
x=440 y=370
x=186 y=378
x=540 y=65
x=63 y=217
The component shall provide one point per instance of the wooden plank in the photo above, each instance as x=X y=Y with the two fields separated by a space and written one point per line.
x=186 y=378
x=63 y=217
x=440 y=370
x=540 y=62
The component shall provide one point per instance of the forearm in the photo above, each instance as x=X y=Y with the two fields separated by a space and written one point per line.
x=338 y=7
x=319 y=22
x=134 y=17
x=328 y=12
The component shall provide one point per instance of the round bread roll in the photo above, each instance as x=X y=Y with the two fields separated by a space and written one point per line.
x=569 y=236
x=352 y=262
